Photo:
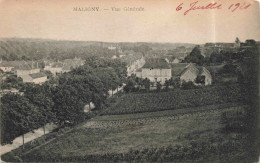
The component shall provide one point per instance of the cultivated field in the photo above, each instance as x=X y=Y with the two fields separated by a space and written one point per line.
x=187 y=136
x=150 y=102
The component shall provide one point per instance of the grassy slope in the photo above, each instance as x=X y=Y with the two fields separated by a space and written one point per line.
x=83 y=141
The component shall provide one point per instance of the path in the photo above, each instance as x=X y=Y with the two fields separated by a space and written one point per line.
x=38 y=132
x=27 y=137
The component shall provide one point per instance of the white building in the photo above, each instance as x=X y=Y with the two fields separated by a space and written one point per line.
x=55 y=67
x=27 y=68
x=36 y=78
x=134 y=62
x=156 y=70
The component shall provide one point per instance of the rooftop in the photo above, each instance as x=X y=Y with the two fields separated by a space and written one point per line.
x=177 y=68
x=128 y=59
x=156 y=63
x=198 y=70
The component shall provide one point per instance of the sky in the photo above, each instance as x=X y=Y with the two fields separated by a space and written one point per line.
x=159 y=22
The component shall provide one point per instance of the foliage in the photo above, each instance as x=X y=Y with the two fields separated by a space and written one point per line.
x=130 y=86
x=200 y=79
x=12 y=81
x=158 y=86
x=188 y=85
x=18 y=116
x=41 y=97
x=195 y=56
x=49 y=74
x=167 y=84
x=147 y=84
x=230 y=69
x=61 y=100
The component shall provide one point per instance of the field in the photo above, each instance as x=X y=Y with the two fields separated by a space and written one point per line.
x=143 y=137
x=149 y=102
x=198 y=125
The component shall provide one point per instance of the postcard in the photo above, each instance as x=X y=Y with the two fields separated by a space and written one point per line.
x=129 y=80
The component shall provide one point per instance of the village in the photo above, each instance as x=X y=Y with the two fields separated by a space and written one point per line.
x=158 y=65
x=102 y=87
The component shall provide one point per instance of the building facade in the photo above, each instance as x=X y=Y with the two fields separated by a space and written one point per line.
x=55 y=68
x=156 y=70
x=191 y=72
x=36 y=78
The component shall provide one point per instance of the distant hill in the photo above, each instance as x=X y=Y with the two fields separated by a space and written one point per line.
x=28 y=49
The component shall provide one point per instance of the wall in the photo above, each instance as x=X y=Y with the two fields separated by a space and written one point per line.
x=27 y=72
x=159 y=74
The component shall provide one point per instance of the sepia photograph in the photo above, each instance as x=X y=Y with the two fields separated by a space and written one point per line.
x=130 y=81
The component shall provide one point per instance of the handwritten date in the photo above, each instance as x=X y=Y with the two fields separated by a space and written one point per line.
x=196 y=6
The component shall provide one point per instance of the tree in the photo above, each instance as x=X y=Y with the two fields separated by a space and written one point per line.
x=215 y=57
x=130 y=85
x=230 y=68
x=188 y=85
x=237 y=41
x=195 y=56
x=41 y=97
x=176 y=83
x=68 y=108
x=18 y=116
x=147 y=84
x=167 y=84
x=158 y=86
x=49 y=74
x=200 y=79
x=12 y=82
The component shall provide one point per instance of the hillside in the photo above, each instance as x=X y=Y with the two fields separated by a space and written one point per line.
x=18 y=48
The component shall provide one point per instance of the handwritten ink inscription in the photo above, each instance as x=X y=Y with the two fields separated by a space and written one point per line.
x=217 y=6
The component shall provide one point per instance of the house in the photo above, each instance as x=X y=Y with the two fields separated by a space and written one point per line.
x=156 y=70
x=36 y=78
x=191 y=72
x=134 y=62
x=12 y=90
x=172 y=59
x=6 y=67
x=9 y=66
x=54 y=67
x=176 y=60
x=27 y=68
x=112 y=47
x=114 y=57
